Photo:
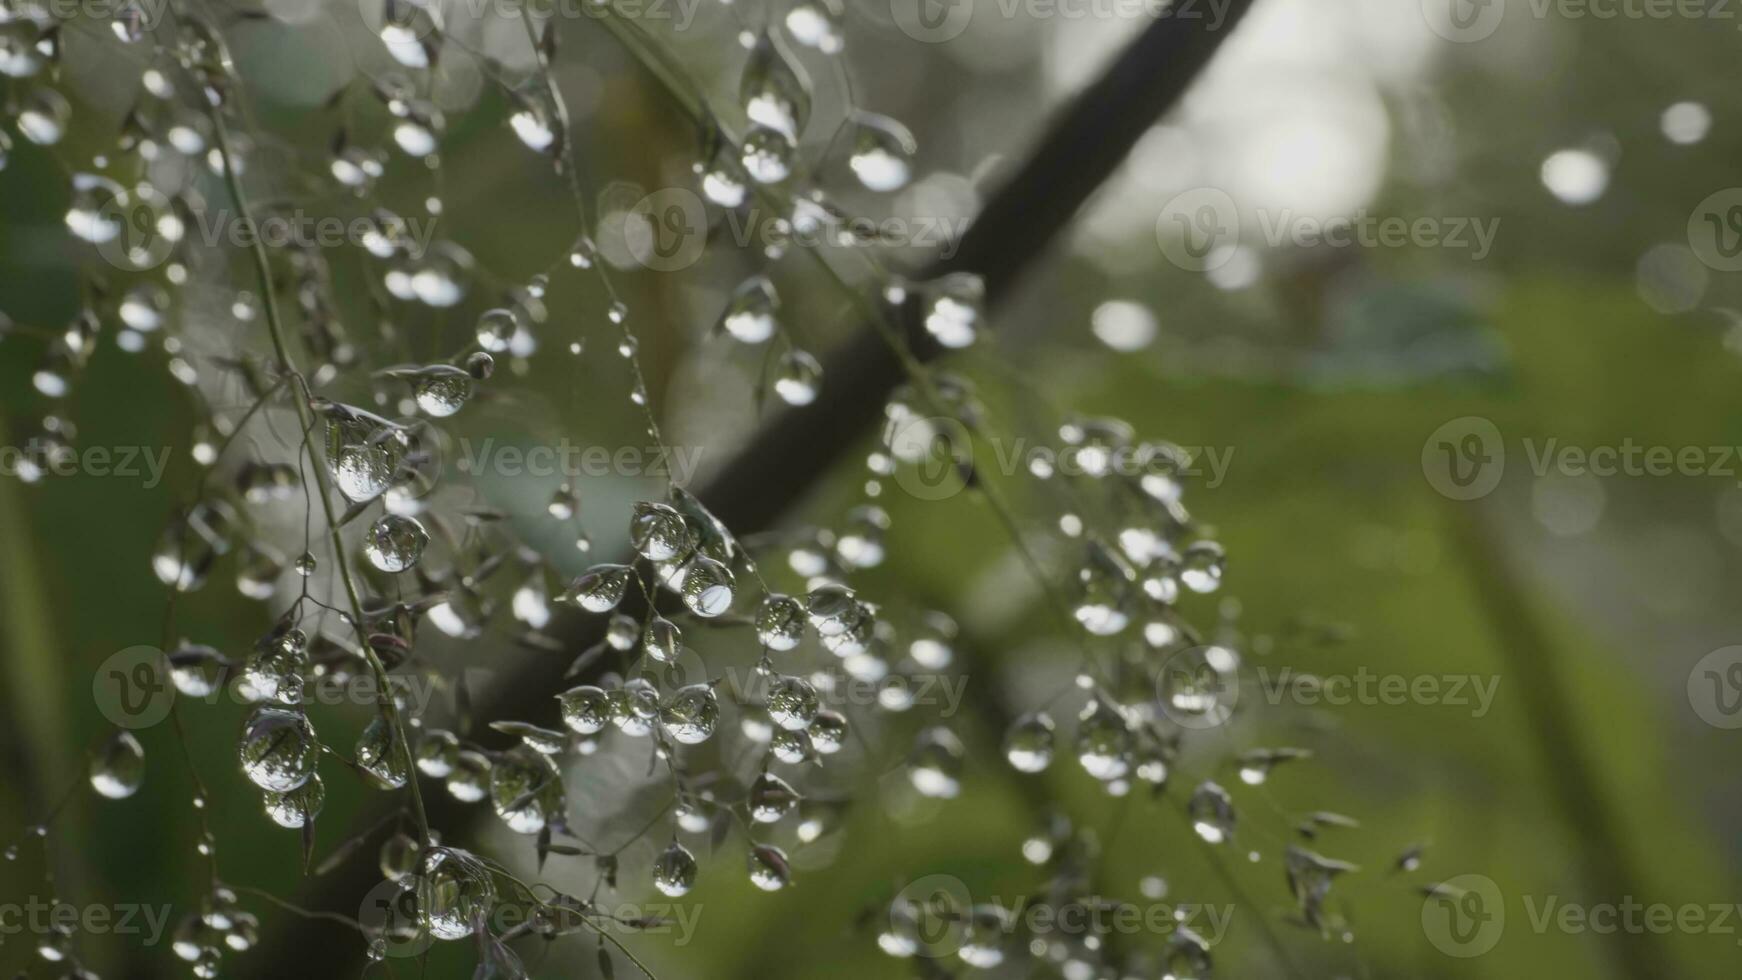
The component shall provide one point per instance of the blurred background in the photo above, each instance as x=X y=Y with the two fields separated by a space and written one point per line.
x=1600 y=311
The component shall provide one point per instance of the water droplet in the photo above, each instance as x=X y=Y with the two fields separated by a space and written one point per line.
x=469 y=778
x=828 y=732
x=816 y=24
x=382 y=755
x=771 y=798
x=441 y=390
x=935 y=765
x=294 y=809
x=585 y=709
x=526 y=790
x=690 y=714
x=792 y=703
x=454 y=891
x=1029 y=743
x=1211 y=812
x=1201 y=567
x=278 y=749
x=708 y=587
x=883 y=152
x=659 y=533
x=395 y=543
x=955 y=309
x=773 y=89
x=274 y=670
x=1103 y=741
x=600 y=588
x=798 y=378
x=780 y=622
x=437 y=750
x=118 y=768
x=662 y=640
x=535 y=122
x=767 y=155
x=674 y=872
x=769 y=868
x=750 y=315
x=398 y=858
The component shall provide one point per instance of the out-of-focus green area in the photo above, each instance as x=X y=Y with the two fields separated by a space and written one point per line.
x=1319 y=384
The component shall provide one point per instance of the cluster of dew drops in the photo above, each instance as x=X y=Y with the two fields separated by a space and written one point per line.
x=686 y=562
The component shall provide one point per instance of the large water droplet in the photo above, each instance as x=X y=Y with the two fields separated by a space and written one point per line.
x=118 y=767
x=526 y=790
x=690 y=714
x=882 y=152
x=395 y=543
x=382 y=755
x=278 y=749
x=674 y=872
x=708 y=588
x=1029 y=743
x=750 y=314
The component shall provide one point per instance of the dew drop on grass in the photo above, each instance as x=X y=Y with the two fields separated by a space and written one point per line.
x=118 y=768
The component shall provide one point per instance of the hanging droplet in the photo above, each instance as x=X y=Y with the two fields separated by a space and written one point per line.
x=708 y=588
x=437 y=751
x=883 y=152
x=1198 y=686
x=792 y=703
x=773 y=90
x=767 y=155
x=769 y=868
x=410 y=30
x=42 y=116
x=469 y=780
x=382 y=755
x=635 y=707
x=1029 y=743
x=441 y=390
x=662 y=640
x=600 y=588
x=1211 y=812
x=398 y=858
x=749 y=316
x=296 y=808
x=817 y=24
x=278 y=749
x=585 y=709
x=563 y=503
x=955 y=309
x=535 y=122
x=722 y=182
x=196 y=671
x=828 y=732
x=798 y=378
x=674 y=871
x=526 y=790
x=454 y=892
x=771 y=798
x=659 y=533
x=780 y=622
x=935 y=765
x=690 y=714
x=192 y=543
x=1201 y=566
x=1103 y=741
x=791 y=748
x=275 y=668
x=395 y=543
x=118 y=767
